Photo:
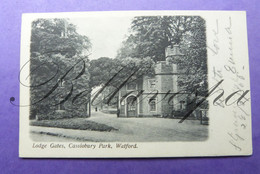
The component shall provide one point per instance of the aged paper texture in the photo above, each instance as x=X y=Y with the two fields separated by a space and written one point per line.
x=134 y=84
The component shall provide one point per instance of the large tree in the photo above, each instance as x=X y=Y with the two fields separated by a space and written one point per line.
x=58 y=66
x=150 y=35
x=57 y=36
x=103 y=69
x=113 y=74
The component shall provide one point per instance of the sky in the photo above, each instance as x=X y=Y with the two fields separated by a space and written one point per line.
x=105 y=34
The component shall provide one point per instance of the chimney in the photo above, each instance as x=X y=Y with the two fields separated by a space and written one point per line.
x=64 y=33
x=65 y=29
x=172 y=52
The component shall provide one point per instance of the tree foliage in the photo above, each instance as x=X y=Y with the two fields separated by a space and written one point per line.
x=116 y=71
x=57 y=36
x=150 y=35
x=113 y=74
x=58 y=66
x=102 y=70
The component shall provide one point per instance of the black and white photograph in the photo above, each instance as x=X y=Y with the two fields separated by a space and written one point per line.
x=122 y=79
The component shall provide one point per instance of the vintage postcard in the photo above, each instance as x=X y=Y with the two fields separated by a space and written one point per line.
x=134 y=84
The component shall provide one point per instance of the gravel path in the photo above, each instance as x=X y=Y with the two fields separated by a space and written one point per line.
x=130 y=130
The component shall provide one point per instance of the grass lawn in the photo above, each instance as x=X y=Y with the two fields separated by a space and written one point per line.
x=78 y=123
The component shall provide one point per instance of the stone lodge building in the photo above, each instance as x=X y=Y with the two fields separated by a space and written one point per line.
x=154 y=96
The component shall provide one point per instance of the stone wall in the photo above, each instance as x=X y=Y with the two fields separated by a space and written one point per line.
x=166 y=75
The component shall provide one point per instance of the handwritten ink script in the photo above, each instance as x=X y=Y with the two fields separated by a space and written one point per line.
x=240 y=115
x=215 y=48
x=239 y=94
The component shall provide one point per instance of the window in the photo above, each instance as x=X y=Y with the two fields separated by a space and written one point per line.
x=60 y=106
x=131 y=86
x=182 y=105
x=152 y=103
x=151 y=83
x=61 y=82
